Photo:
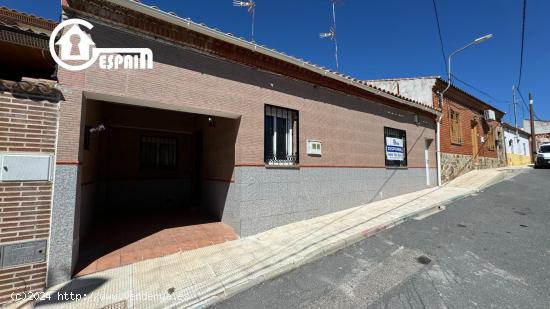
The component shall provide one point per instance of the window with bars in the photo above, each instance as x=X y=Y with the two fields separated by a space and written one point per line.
x=280 y=136
x=158 y=153
x=395 y=147
x=456 y=127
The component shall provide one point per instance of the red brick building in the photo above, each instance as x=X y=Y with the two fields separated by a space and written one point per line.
x=470 y=138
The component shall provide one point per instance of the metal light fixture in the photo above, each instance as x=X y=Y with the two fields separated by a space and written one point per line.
x=97 y=129
x=483 y=39
x=211 y=122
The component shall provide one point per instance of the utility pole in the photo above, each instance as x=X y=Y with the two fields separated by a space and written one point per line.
x=533 y=141
x=515 y=114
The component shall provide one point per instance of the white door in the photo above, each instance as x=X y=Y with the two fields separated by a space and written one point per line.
x=427 y=160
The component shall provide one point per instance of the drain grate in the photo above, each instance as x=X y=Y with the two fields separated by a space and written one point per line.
x=118 y=305
x=423 y=260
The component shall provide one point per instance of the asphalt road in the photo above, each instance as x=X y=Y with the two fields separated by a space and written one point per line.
x=491 y=250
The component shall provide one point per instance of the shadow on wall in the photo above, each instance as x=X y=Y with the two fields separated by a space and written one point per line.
x=186 y=58
x=394 y=171
x=125 y=200
x=218 y=170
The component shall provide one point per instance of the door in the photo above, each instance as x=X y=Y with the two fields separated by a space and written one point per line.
x=428 y=142
x=475 y=142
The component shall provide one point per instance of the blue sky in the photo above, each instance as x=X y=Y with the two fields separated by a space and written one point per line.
x=390 y=38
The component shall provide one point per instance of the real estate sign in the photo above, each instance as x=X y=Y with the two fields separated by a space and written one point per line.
x=394 y=149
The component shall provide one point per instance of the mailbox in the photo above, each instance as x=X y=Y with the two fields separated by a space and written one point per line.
x=25 y=167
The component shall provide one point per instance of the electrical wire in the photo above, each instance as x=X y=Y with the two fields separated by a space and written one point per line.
x=440 y=37
x=478 y=90
x=527 y=106
x=522 y=43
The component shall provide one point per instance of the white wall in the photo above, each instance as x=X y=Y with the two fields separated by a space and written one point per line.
x=417 y=89
x=516 y=144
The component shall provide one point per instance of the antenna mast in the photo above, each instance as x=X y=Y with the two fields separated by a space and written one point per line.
x=332 y=33
x=251 y=5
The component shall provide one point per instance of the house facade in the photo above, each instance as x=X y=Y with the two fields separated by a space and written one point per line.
x=248 y=135
x=518 y=146
x=469 y=139
x=542 y=131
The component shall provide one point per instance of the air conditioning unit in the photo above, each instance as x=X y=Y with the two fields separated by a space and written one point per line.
x=490 y=115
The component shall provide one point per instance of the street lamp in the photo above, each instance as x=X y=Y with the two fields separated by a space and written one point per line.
x=441 y=94
x=475 y=42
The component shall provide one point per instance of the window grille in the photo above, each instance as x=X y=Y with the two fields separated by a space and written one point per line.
x=158 y=152
x=395 y=147
x=281 y=136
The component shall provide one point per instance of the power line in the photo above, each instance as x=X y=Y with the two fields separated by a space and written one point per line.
x=478 y=90
x=440 y=37
x=527 y=106
x=522 y=42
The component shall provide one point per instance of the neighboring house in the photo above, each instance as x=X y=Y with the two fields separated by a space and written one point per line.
x=219 y=126
x=28 y=126
x=517 y=143
x=542 y=131
x=24 y=46
x=469 y=140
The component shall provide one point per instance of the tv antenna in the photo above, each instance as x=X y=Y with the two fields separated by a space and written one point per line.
x=332 y=32
x=251 y=5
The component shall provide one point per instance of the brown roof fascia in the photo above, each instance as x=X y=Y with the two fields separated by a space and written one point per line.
x=137 y=21
x=15 y=16
x=15 y=35
x=464 y=97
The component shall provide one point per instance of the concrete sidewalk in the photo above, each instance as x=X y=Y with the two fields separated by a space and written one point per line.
x=204 y=276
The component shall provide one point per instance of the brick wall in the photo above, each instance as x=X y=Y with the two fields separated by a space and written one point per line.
x=350 y=127
x=26 y=126
x=457 y=101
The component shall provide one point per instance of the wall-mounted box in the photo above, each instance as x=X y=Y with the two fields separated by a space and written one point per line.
x=314 y=147
x=22 y=253
x=25 y=167
x=489 y=115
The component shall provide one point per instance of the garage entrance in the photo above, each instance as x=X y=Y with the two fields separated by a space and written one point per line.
x=146 y=183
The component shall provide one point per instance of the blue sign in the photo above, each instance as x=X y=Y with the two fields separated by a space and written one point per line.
x=394 y=149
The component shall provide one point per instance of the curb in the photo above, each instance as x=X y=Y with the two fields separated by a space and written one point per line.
x=339 y=244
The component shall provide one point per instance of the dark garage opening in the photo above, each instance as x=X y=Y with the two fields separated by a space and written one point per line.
x=154 y=182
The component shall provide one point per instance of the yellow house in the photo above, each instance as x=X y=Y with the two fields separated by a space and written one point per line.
x=517 y=145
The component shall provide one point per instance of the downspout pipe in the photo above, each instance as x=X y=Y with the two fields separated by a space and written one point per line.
x=438 y=148
x=441 y=94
